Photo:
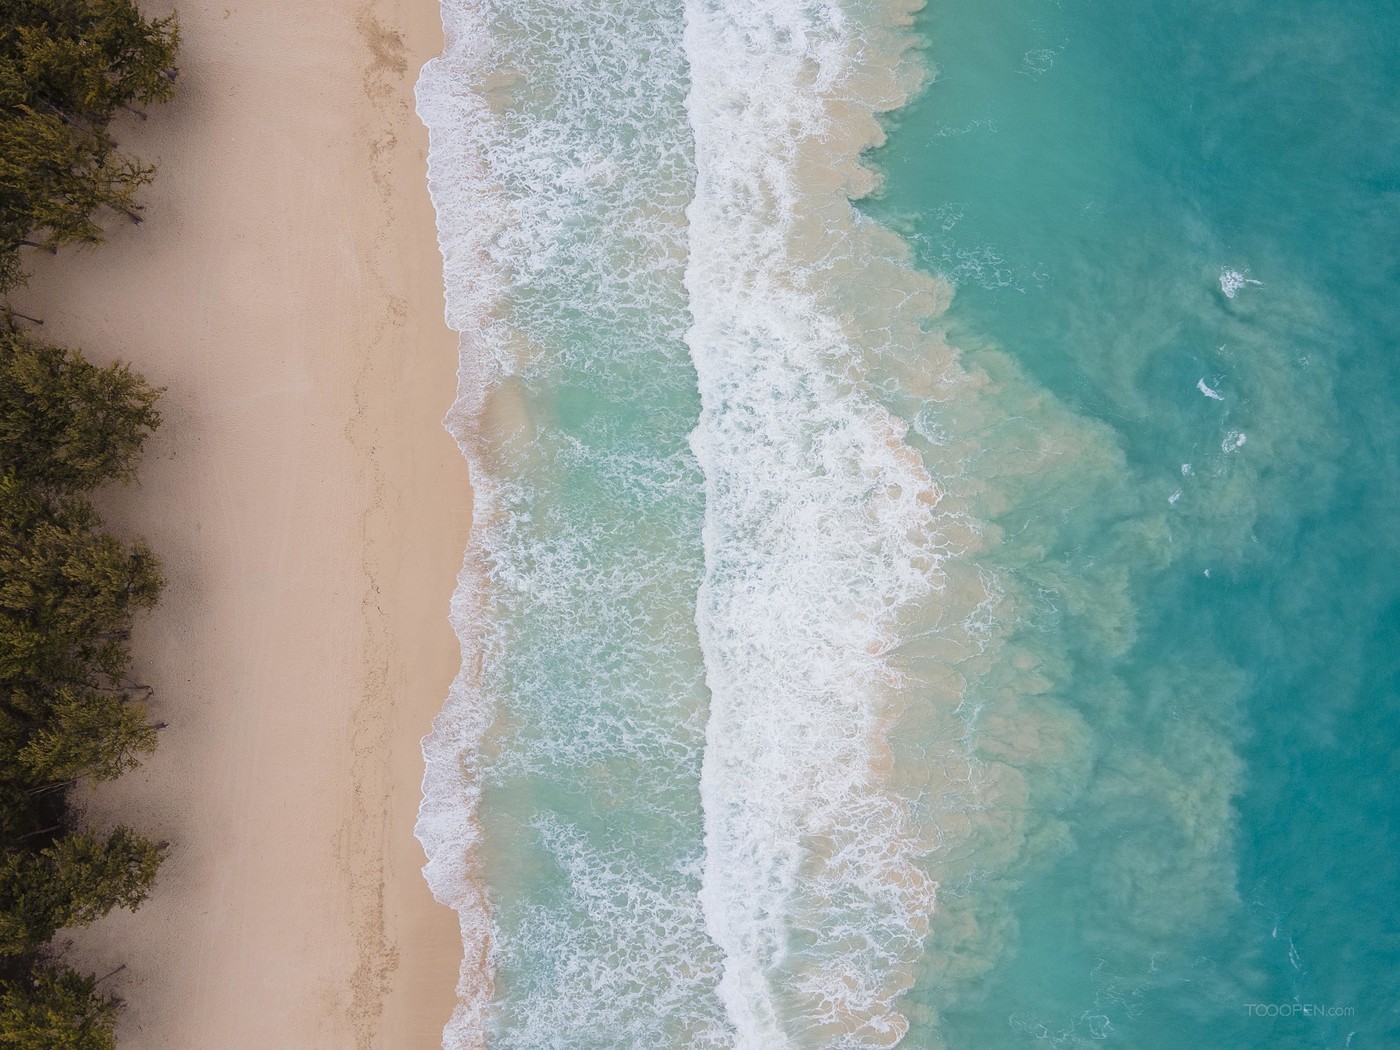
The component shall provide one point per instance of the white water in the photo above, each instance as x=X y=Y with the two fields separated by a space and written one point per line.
x=838 y=598
x=559 y=167
x=825 y=535
x=1232 y=281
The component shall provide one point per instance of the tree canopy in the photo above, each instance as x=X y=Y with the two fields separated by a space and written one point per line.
x=66 y=423
x=70 y=882
x=54 y=1008
x=70 y=589
x=85 y=59
x=67 y=68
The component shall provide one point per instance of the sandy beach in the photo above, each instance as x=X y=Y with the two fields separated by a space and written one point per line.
x=311 y=513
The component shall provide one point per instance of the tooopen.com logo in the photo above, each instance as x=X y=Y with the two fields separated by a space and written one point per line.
x=1298 y=1010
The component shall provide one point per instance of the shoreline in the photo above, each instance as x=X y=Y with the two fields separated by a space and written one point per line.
x=311 y=512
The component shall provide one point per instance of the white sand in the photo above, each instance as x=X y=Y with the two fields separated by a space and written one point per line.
x=311 y=513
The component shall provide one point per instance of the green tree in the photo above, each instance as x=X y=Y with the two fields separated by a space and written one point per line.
x=54 y=178
x=11 y=268
x=66 y=423
x=88 y=58
x=53 y=736
x=74 y=881
x=85 y=59
x=66 y=68
x=68 y=590
x=55 y=1008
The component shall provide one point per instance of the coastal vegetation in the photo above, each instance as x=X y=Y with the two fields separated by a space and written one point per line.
x=71 y=709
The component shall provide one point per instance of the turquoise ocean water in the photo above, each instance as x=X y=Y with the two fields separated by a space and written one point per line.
x=967 y=617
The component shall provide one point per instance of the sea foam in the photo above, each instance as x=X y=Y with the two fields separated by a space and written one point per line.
x=631 y=204
x=561 y=816
x=828 y=541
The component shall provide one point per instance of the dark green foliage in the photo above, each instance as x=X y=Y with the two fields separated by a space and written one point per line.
x=86 y=59
x=69 y=589
x=53 y=1008
x=73 y=731
x=67 y=68
x=11 y=272
x=68 y=593
x=54 y=177
x=74 y=880
x=65 y=423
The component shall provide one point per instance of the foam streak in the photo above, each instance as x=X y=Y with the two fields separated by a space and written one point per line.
x=821 y=530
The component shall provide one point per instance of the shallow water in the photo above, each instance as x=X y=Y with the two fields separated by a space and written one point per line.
x=844 y=667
